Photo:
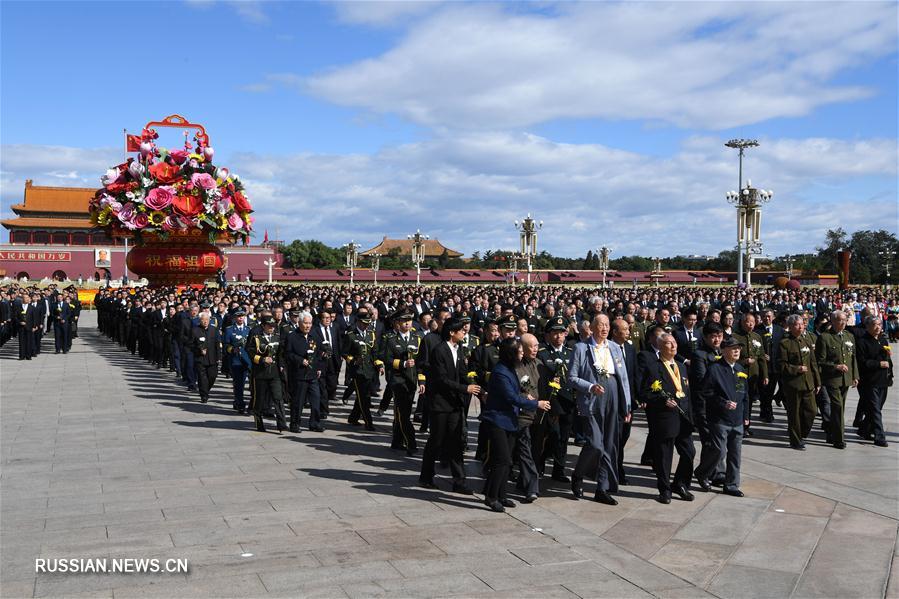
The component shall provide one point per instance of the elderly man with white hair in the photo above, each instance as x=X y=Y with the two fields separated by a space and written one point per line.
x=304 y=366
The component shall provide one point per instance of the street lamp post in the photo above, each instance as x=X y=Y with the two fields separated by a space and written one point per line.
x=604 y=253
x=418 y=252
x=270 y=262
x=741 y=145
x=887 y=259
x=789 y=260
x=656 y=274
x=375 y=265
x=352 y=257
x=749 y=225
x=528 y=236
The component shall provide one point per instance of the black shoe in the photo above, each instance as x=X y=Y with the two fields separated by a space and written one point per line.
x=576 y=489
x=683 y=493
x=881 y=443
x=260 y=427
x=370 y=428
x=281 y=427
x=427 y=484
x=496 y=506
x=410 y=452
x=604 y=497
x=317 y=429
x=561 y=478
x=530 y=498
x=733 y=492
x=462 y=490
x=507 y=503
x=705 y=485
x=798 y=446
x=664 y=497
x=204 y=399
x=840 y=445
x=623 y=480
x=353 y=422
x=57 y=351
x=294 y=428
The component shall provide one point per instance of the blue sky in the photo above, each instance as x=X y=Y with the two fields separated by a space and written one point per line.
x=355 y=120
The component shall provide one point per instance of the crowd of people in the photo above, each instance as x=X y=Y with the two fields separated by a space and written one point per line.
x=548 y=367
x=28 y=314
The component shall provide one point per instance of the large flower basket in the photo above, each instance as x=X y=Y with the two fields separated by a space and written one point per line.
x=175 y=204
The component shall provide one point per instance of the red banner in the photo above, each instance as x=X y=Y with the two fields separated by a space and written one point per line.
x=36 y=256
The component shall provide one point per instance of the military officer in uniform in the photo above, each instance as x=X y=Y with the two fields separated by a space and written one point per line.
x=234 y=342
x=835 y=354
x=400 y=350
x=358 y=350
x=552 y=432
x=265 y=353
x=799 y=379
x=752 y=359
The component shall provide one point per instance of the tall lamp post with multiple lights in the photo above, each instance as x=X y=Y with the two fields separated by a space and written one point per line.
x=528 y=234
x=749 y=214
x=418 y=253
x=352 y=257
x=375 y=265
x=604 y=253
x=887 y=259
x=788 y=259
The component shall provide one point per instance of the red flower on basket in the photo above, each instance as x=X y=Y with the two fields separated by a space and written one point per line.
x=187 y=205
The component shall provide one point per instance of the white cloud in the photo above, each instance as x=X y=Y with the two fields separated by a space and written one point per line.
x=467 y=189
x=708 y=65
x=379 y=14
x=248 y=10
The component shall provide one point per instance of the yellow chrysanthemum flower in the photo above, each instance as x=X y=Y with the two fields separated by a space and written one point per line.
x=656 y=386
x=742 y=375
x=555 y=385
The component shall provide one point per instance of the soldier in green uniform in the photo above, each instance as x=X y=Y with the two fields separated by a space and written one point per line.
x=363 y=365
x=636 y=335
x=799 y=379
x=550 y=433
x=399 y=351
x=266 y=375
x=835 y=354
x=752 y=359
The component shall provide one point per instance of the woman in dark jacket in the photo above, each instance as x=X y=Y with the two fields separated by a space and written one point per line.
x=500 y=419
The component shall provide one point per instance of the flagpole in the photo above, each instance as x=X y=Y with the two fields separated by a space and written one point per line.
x=125 y=132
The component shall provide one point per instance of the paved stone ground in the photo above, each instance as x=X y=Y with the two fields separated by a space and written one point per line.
x=103 y=456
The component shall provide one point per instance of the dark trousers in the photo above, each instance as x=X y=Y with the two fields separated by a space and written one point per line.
x=546 y=433
x=190 y=372
x=36 y=345
x=176 y=358
x=800 y=406
x=444 y=440
x=238 y=384
x=361 y=386
x=624 y=435
x=61 y=336
x=403 y=431
x=268 y=394
x=872 y=400
x=327 y=390
x=766 y=398
x=304 y=390
x=385 y=399
x=499 y=460
x=822 y=400
x=837 y=426
x=724 y=439
x=528 y=479
x=663 y=456
x=206 y=374
x=26 y=343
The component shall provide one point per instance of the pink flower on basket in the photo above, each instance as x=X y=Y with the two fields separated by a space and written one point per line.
x=203 y=180
x=141 y=221
x=159 y=198
x=235 y=222
x=173 y=223
x=126 y=213
x=179 y=156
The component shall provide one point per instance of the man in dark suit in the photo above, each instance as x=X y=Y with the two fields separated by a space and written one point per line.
x=28 y=317
x=205 y=341
x=772 y=334
x=687 y=336
x=303 y=369
x=666 y=390
x=724 y=391
x=188 y=371
x=61 y=324
x=708 y=352
x=448 y=387
x=326 y=337
x=626 y=361
x=875 y=365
